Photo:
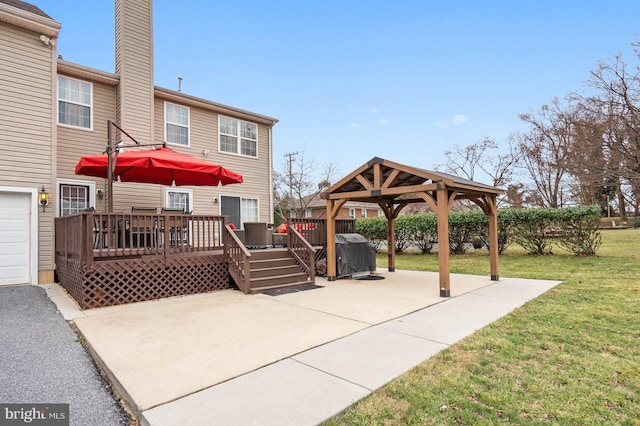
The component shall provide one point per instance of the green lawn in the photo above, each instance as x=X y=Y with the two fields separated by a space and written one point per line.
x=570 y=357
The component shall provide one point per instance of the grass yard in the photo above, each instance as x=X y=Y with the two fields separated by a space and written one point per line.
x=570 y=357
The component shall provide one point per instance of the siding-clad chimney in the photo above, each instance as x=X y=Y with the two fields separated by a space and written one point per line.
x=134 y=65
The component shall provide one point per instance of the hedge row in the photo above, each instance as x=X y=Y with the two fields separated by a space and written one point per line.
x=536 y=230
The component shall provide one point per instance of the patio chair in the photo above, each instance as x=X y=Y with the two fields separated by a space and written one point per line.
x=146 y=210
x=172 y=210
x=257 y=234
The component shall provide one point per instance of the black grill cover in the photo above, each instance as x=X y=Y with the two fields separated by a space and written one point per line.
x=354 y=255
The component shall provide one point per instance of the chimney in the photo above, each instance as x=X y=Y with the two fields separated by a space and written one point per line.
x=134 y=65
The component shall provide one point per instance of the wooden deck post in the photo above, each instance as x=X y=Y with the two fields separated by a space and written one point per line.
x=492 y=215
x=443 y=241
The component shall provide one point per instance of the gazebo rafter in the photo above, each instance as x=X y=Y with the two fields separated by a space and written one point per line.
x=393 y=186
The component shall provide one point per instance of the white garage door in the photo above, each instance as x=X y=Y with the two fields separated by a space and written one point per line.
x=14 y=238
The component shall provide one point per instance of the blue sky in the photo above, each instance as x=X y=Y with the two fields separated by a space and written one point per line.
x=351 y=80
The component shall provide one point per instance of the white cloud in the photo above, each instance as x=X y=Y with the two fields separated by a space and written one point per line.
x=383 y=121
x=374 y=110
x=457 y=120
x=355 y=125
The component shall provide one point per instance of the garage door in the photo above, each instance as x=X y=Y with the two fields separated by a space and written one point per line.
x=14 y=238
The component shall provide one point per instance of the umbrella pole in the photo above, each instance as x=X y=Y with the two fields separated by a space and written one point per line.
x=109 y=166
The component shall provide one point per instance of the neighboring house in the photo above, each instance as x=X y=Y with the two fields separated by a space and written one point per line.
x=317 y=209
x=52 y=112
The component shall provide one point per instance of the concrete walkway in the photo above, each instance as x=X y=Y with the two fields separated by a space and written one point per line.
x=292 y=359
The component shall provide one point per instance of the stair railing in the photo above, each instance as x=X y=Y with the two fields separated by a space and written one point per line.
x=238 y=258
x=300 y=249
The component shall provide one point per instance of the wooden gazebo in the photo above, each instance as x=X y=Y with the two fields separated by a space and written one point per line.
x=393 y=186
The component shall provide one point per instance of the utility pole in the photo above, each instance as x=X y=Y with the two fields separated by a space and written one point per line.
x=291 y=156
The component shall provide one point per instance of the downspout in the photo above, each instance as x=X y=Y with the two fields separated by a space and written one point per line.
x=271 y=217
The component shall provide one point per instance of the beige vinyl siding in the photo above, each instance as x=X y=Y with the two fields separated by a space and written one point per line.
x=134 y=64
x=26 y=122
x=203 y=135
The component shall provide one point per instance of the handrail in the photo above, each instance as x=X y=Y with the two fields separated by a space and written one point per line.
x=302 y=252
x=238 y=258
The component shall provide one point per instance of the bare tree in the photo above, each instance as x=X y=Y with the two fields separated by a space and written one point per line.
x=484 y=156
x=545 y=149
x=297 y=180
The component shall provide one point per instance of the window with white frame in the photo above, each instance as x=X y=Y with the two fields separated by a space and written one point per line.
x=363 y=213
x=75 y=99
x=176 y=124
x=352 y=213
x=380 y=212
x=237 y=136
x=293 y=214
x=74 y=197
x=249 y=209
x=308 y=213
x=178 y=199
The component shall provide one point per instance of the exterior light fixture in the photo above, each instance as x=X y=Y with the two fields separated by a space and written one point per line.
x=43 y=197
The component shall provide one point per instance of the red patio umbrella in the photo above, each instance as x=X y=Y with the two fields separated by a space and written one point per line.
x=162 y=166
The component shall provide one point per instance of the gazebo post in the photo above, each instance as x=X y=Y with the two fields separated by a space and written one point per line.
x=331 y=241
x=443 y=241
x=492 y=215
x=391 y=239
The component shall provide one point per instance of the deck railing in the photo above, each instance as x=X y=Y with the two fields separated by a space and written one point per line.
x=302 y=251
x=90 y=236
x=238 y=258
x=315 y=230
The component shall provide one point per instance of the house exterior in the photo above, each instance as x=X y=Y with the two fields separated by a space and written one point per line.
x=53 y=111
x=316 y=208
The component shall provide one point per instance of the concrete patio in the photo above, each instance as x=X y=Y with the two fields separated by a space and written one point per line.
x=296 y=358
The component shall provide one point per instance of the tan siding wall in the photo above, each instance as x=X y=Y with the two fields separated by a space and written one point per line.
x=26 y=121
x=203 y=133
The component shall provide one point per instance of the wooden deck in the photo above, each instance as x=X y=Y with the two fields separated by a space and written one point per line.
x=106 y=259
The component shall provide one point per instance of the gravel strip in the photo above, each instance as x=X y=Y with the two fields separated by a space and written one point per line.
x=43 y=362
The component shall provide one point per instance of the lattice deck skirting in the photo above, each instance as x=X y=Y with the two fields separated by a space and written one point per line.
x=115 y=282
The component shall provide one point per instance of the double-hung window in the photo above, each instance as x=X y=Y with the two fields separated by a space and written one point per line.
x=176 y=124
x=249 y=209
x=178 y=199
x=237 y=136
x=75 y=102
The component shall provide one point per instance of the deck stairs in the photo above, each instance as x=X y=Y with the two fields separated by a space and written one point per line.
x=274 y=269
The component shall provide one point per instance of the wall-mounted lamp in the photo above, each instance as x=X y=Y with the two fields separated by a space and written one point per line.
x=43 y=196
x=47 y=41
x=100 y=192
x=215 y=200
x=205 y=152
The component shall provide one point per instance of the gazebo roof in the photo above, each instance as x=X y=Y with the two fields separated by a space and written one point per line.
x=383 y=180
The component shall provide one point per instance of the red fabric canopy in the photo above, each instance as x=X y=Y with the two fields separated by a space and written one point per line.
x=162 y=166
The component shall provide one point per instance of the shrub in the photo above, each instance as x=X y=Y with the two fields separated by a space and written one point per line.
x=426 y=235
x=373 y=229
x=580 y=234
x=531 y=228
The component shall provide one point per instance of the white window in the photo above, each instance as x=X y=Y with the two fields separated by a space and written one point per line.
x=293 y=214
x=352 y=213
x=307 y=213
x=178 y=199
x=380 y=212
x=249 y=209
x=363 y=213
x=237 y=136
x=75 y=196
x=75 y=99
x=176 y=124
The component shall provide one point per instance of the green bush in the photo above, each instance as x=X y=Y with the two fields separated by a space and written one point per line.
x=533 y=229
x=426 y=235
x=373 y=229
x=580 y=234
